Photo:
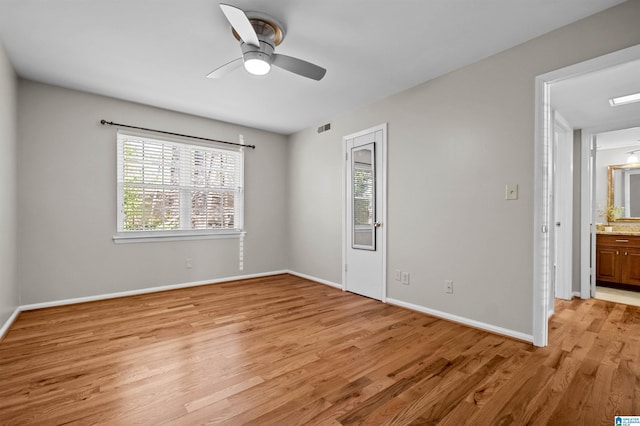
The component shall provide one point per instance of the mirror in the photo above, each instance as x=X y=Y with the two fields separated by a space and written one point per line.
x=364 y=202
x=624 y=190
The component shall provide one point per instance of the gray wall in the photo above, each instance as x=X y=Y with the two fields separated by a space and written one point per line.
x=454 y=142
x=8 y=187
x=67 y=200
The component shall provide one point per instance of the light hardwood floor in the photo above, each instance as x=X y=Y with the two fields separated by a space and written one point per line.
x=283 y=350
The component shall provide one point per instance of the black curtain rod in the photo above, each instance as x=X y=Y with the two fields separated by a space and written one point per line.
x=111 y=123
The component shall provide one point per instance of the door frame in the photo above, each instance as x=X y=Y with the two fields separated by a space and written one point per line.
x=542 y=213
x=381 y=179
x=589 y=176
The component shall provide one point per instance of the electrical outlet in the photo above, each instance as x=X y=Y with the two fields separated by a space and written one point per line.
x=188 y=263
x=404 y=278
x=448 y=287
x=398 y=275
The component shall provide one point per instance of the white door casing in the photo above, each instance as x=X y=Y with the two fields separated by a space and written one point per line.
x=364 y=213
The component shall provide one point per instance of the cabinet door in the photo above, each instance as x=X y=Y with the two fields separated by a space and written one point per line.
x=630 y=266
x=608 y=264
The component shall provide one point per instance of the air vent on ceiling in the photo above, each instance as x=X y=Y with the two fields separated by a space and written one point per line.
x=324 y=128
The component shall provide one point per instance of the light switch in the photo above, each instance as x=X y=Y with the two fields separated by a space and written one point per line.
x=511 y=192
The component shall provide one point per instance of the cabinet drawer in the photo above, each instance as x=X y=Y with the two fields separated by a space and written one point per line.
x=618 y=240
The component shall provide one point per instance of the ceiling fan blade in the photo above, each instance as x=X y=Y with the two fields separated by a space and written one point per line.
x=298 y=66
x=239 y=21
x=225 y=69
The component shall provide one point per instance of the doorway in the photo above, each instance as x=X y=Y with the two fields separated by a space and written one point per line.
x=544 y=176
x=364 y=212
x=616 y=173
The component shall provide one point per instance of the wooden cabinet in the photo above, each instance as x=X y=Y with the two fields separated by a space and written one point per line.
x=608 y=264
x=631 y=271
x=618 y=259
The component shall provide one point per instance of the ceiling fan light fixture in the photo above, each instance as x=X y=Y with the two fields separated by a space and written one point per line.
x=258 y=34
x=257 y=60
x=257 y=66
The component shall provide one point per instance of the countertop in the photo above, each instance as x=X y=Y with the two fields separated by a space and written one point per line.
x=624 y=233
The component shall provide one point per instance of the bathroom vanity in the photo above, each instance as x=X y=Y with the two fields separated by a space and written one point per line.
x=618 y=258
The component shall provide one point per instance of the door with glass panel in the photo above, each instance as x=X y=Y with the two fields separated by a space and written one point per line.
x=364 y=233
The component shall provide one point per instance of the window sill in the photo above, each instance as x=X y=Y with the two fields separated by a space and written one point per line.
x=148 y=237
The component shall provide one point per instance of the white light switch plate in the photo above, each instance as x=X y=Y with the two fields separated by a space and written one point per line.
x=511 y=192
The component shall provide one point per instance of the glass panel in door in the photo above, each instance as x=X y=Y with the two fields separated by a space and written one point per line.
x=363 y=194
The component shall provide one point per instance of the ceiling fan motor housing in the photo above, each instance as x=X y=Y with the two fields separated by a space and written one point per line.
x=263 y=52
x=270 y=33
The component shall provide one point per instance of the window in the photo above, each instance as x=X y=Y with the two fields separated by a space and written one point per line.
x=176 y=189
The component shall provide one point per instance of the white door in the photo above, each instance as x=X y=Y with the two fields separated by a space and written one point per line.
x=593 y=149
x=364 y=239
x=587 y=215
x=563 y=208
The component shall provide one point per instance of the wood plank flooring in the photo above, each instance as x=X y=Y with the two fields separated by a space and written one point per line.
x=283 y=350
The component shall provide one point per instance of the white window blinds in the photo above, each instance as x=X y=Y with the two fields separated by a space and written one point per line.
x=173 y=186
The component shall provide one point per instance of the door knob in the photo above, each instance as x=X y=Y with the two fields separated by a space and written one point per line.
x=377 y=224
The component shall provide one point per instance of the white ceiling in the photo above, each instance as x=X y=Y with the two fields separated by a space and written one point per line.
x=158 y=52
x=623 y=138
x=584 y=100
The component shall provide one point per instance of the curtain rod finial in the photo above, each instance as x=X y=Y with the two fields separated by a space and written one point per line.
x=103 y=122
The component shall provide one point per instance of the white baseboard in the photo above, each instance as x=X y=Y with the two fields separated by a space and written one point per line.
x=144 y=290
x=462 y=320
x=9 y=321
x=577 y=294
x=319 y=280
x=455 y=318
x=436 y=313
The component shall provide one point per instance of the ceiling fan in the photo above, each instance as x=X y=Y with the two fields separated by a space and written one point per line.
x=259 y=34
